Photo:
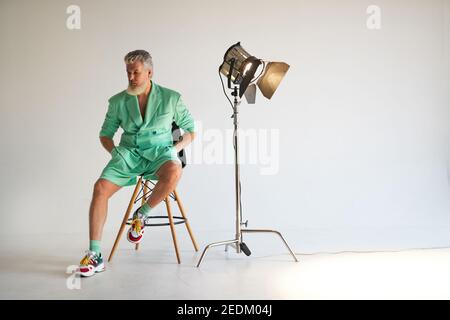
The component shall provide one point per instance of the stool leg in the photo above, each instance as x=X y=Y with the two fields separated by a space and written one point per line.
x=142 y=203
x=172 y=228
x=180 y=206
x=125 y=218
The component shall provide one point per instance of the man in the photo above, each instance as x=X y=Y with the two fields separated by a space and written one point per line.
x=145 y=111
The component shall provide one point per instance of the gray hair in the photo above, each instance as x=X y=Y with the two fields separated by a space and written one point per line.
x=139 y=55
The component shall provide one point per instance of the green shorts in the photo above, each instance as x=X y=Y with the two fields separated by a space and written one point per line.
x=127 y=164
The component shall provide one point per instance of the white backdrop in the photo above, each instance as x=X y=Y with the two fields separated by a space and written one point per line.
x=359 y=140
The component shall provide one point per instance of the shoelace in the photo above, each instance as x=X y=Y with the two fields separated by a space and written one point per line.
x=137 y=225
x=87 y=258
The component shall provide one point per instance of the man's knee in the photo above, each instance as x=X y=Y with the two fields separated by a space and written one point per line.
x=170 y=173
x=104 y=188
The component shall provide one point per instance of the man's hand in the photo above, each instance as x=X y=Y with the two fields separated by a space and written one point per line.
x=186 y=139
x=107 y=143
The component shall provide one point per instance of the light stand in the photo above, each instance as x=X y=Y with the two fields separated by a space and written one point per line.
x=237 y=241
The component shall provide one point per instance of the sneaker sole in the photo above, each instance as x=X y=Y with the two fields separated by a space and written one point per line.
x=98 y=269
x=134 y=241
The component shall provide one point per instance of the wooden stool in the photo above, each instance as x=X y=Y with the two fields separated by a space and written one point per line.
x=144 y=186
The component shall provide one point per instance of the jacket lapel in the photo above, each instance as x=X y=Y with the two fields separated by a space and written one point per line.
x=133 y=109
x=154 y=101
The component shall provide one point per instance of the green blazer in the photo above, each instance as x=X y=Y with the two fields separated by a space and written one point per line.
x=149 y=136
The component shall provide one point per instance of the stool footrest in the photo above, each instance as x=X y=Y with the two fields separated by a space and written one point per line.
x=181 y=220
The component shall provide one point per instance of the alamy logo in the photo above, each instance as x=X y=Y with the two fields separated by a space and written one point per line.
x=74 y=280
x=374 y=20
x=73 y=21
x=256 y=147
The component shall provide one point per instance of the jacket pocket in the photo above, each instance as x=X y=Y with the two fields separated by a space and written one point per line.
x=121 y=151
x=113 y=152
x=165 y=114
x=163 y=120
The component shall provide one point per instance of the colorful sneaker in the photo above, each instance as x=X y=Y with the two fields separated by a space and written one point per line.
x=136 y=230
x=91 y=264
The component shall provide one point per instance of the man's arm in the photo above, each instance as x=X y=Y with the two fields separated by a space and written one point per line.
x=109 y=127
x=184 y=120
x=107 y=143
x=187 y=138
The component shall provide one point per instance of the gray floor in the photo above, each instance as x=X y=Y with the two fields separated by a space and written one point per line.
x=39 y=267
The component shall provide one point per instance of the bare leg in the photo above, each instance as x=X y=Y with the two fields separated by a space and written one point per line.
x=168 y=176
x=103 y=190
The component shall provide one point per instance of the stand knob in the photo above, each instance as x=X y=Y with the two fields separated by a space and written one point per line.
x=245 y=249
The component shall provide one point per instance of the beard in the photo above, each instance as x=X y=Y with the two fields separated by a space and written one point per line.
x=137 y=90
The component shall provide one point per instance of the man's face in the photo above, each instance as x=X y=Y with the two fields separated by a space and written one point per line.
x=138 y=76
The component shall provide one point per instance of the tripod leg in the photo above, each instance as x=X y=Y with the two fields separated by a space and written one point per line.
x=272 y=231
x=215 y=244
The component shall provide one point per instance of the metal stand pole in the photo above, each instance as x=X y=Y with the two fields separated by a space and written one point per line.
x=237 y=241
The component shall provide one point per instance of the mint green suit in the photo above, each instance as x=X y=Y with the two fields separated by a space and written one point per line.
x=145 y=143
